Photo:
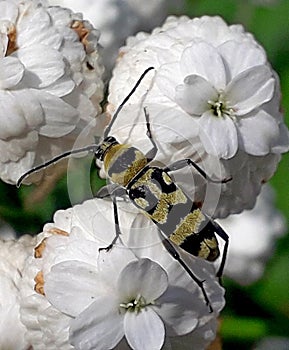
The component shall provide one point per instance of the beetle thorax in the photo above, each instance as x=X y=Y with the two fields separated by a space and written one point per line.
x=123 y=162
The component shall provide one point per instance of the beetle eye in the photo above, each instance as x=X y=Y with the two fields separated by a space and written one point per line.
x=109 y=139
x=99 y=153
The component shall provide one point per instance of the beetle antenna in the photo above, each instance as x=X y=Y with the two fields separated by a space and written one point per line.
x=90 y=148
x=120 y=107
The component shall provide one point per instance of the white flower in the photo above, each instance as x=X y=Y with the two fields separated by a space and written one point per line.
x=213 y=97
x=253 y=235
x=138 y=303
x=12 y=257
x=226 y=94
x=118 y=19
x=100 y=297
x=50 y=83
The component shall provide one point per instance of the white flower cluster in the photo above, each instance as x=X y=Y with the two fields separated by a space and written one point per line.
x=50 y=83
x=12 y=258
x=135 y=294
x=118 y=19
x=214 y=98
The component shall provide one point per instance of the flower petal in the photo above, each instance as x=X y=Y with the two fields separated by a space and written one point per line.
x=98 y=327
x=11 y=72
x=60 y=117
x=114 y=260
x=199 y=339
x=176 y=310
x=194 y=94
x=258 y=132
x=144 y=238
x=241 y=56
x=12 y=118
x=167 y=78
x=3 y=44
x=250 y=89
x=138 y=277
x=43 y=33
x=218 y=135
x=175 y=125
x=62 y=87
x=145 y=330
x=71 y=286
x=30 y=106
x=204 y=60
x=282 y=144
x=9 y=11
x=43 y=65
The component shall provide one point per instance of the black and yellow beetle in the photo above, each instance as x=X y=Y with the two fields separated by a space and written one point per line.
x=154 y=192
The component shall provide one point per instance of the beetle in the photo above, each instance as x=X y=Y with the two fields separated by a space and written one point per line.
x=154 y=192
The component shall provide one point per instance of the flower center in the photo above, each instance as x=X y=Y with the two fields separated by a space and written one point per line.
x=135 y=305
x=220 y=107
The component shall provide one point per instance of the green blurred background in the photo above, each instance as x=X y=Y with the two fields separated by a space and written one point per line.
x=251 y=313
